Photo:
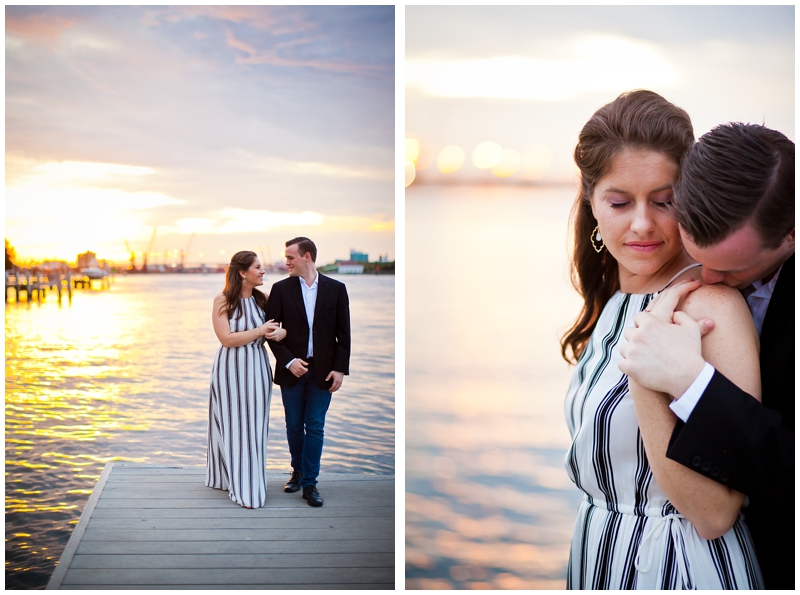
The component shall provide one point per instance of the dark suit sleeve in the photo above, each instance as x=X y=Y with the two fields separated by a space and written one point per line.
x=275 y=307
x=735 y=440
x=341 y=358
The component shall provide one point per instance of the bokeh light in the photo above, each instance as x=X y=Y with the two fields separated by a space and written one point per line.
x=411 y=173
x=412 y=149
x=450 y=159
x=508 y=164
x=487 y=154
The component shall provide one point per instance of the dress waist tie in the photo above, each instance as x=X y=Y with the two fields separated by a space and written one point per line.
x=655 y=533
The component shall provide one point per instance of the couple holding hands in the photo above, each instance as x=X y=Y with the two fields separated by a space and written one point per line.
x=681 y=406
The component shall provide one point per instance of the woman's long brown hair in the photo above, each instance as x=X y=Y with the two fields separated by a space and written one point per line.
x=241 y=261
x=637 y=119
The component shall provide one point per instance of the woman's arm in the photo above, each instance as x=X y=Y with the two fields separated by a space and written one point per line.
x=222 y=327
x=732 y=348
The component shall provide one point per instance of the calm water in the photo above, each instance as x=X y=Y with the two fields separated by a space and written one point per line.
x=488 y=502
x=123 y=375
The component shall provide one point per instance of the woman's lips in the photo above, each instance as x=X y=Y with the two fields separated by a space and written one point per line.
x=643 y=246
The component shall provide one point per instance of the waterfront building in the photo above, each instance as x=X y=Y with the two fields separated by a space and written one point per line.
x=356 y=256
x=87 y=260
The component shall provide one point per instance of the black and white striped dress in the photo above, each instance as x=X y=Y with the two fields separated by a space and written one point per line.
x=627 y=534
x=238 y=414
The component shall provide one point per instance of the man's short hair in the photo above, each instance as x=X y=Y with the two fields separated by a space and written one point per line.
x=304 y=245
x=737 y=174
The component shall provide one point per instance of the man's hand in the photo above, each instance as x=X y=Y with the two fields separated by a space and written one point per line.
x=298 y=367
x=663 y=352
x=337 y=380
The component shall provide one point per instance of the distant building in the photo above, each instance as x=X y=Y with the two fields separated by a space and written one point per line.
x=350 y=268
x=357 y=256
x=87 y=260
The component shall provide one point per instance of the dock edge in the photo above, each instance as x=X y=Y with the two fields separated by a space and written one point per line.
x=75 y=539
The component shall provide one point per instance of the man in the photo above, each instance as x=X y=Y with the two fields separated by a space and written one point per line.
x=735 y=205
x=311 y=361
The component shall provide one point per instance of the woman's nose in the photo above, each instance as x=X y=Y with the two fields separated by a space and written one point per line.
x=642 y=220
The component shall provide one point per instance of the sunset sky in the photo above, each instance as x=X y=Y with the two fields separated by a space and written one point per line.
x=228 y=127
x=524 y=79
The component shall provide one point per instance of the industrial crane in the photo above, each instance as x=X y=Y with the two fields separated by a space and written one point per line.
x=133 y=256
x=149 y=249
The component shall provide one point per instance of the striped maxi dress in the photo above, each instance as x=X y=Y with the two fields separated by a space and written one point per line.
x=238 y=414
x=627 y=534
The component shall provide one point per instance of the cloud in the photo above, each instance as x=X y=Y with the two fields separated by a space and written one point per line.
x=46 y=28
x=233 y=221
x=292 y=126
x=310 y=168
x=590 y=62
x=253 y=56
x=271 y=19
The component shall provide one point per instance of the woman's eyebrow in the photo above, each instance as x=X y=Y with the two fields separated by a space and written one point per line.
x=617 y=190
x=621 y=191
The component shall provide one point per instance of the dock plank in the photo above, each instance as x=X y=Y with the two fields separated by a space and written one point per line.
x=360 y=546
x=238 y=512
x=158 y=527
x=235 y=524
x=295 y=560
x=226 y=576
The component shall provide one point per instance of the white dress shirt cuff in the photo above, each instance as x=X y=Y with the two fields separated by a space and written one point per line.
x=684 y=406
x=290 y=363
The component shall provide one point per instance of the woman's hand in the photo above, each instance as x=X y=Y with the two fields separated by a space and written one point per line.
x=272 y=330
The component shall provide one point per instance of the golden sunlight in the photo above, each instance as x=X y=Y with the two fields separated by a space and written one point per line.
x=412 y=149
x=59 y=209
x=411 y=173
x=450 y=159
x=487 y=154
x=508 y=164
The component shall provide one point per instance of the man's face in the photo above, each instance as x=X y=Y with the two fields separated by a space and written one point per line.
x=297 y=265
x=739 y=259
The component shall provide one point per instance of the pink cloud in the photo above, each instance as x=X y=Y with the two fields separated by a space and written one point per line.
x=38 y=27
x=258 y=17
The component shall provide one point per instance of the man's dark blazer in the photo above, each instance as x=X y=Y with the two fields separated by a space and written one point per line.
x=331 y=328
x=749 y=446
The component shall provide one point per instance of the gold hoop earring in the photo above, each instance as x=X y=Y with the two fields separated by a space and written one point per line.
x=595 y=235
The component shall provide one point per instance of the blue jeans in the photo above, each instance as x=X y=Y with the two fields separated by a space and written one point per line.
x=305 y=405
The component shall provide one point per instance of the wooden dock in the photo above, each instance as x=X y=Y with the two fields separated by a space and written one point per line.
x=159 y=527
x=35 y=285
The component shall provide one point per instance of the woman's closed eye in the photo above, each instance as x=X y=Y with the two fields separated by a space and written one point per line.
x=662 y=199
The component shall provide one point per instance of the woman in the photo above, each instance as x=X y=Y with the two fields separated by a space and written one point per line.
x=646 y=522
x=241 y=385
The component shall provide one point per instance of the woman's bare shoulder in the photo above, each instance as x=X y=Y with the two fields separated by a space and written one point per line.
x=220 y=300
x=718 y=302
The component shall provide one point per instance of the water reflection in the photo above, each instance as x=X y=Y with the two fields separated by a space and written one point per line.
x=488 y=503
x=123 y=375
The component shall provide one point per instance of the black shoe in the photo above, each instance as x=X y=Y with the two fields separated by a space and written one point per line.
x=311 y=494
x=293 y=485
